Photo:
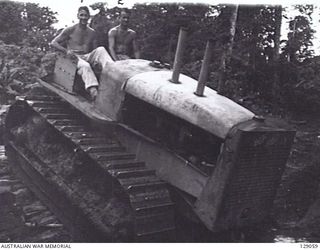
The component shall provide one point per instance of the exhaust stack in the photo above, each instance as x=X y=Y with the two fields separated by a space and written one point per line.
x=179 y=53
x=203 y=77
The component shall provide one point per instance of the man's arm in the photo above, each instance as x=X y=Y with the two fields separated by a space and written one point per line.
x=135 y=48
x=112 y=43
x=61 y=38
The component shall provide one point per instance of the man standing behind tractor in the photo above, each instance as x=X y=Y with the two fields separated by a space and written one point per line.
x=80 y=42
x=122 y=40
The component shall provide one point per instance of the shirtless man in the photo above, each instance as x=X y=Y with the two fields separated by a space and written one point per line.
x=80 y=41
x=122 y=39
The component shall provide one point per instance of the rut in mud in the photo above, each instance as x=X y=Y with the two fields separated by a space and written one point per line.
x=297 y=208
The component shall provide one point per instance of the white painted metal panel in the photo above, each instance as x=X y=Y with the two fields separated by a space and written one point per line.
x=213 y=112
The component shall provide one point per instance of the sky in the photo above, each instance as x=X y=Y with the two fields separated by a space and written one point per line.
x=67 y=9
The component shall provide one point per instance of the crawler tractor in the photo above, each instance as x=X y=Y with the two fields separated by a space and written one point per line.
x=153 y=145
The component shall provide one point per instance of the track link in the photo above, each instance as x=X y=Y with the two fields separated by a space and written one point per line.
x=149 y=197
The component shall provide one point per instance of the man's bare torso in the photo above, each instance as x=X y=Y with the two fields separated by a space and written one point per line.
x=80 y=40
x=123 y=40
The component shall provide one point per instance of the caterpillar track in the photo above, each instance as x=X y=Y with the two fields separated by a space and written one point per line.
x=108 y=178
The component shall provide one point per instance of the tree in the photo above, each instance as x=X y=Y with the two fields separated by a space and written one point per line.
x=276 y=55
x=11 y=31
x=227 y=48
x=277 y=33
x=158 y=25
x=38 y=23
x=37 y=18
x=101 y=23
x=26 y=24
x=251 y=67
x=297 y=47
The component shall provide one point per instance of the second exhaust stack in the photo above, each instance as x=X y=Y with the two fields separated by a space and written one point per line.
x=204 y=70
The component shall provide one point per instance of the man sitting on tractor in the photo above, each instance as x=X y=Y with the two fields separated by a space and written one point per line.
x=80 y=42
x=122 y=40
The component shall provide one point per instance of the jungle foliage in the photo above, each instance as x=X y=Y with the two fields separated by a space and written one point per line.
x=260 y=70
x=26 y=24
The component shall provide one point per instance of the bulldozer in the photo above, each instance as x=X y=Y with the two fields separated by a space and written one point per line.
x=154 y=144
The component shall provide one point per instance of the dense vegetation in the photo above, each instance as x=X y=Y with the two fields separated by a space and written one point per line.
x=251 y=65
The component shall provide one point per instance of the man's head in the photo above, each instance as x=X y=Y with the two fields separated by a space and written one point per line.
x=124 y=18
x=83 y=15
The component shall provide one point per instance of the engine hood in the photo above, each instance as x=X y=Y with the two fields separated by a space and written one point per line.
x=212 y=112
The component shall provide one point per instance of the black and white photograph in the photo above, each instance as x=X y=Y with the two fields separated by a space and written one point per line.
x=159 y=122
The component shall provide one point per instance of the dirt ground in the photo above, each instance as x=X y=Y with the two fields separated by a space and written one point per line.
x=297 y=205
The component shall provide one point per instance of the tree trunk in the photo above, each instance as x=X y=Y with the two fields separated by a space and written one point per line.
x=276 y=55
x=227 y=50
x=278 y=22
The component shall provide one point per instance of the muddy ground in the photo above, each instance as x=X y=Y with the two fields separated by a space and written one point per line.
x=297 y=205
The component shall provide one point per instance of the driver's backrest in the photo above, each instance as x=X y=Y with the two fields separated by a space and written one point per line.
x=65 y=75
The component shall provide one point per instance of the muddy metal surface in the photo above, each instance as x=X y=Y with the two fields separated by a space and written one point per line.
x=23 y=218
x=296 y=215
